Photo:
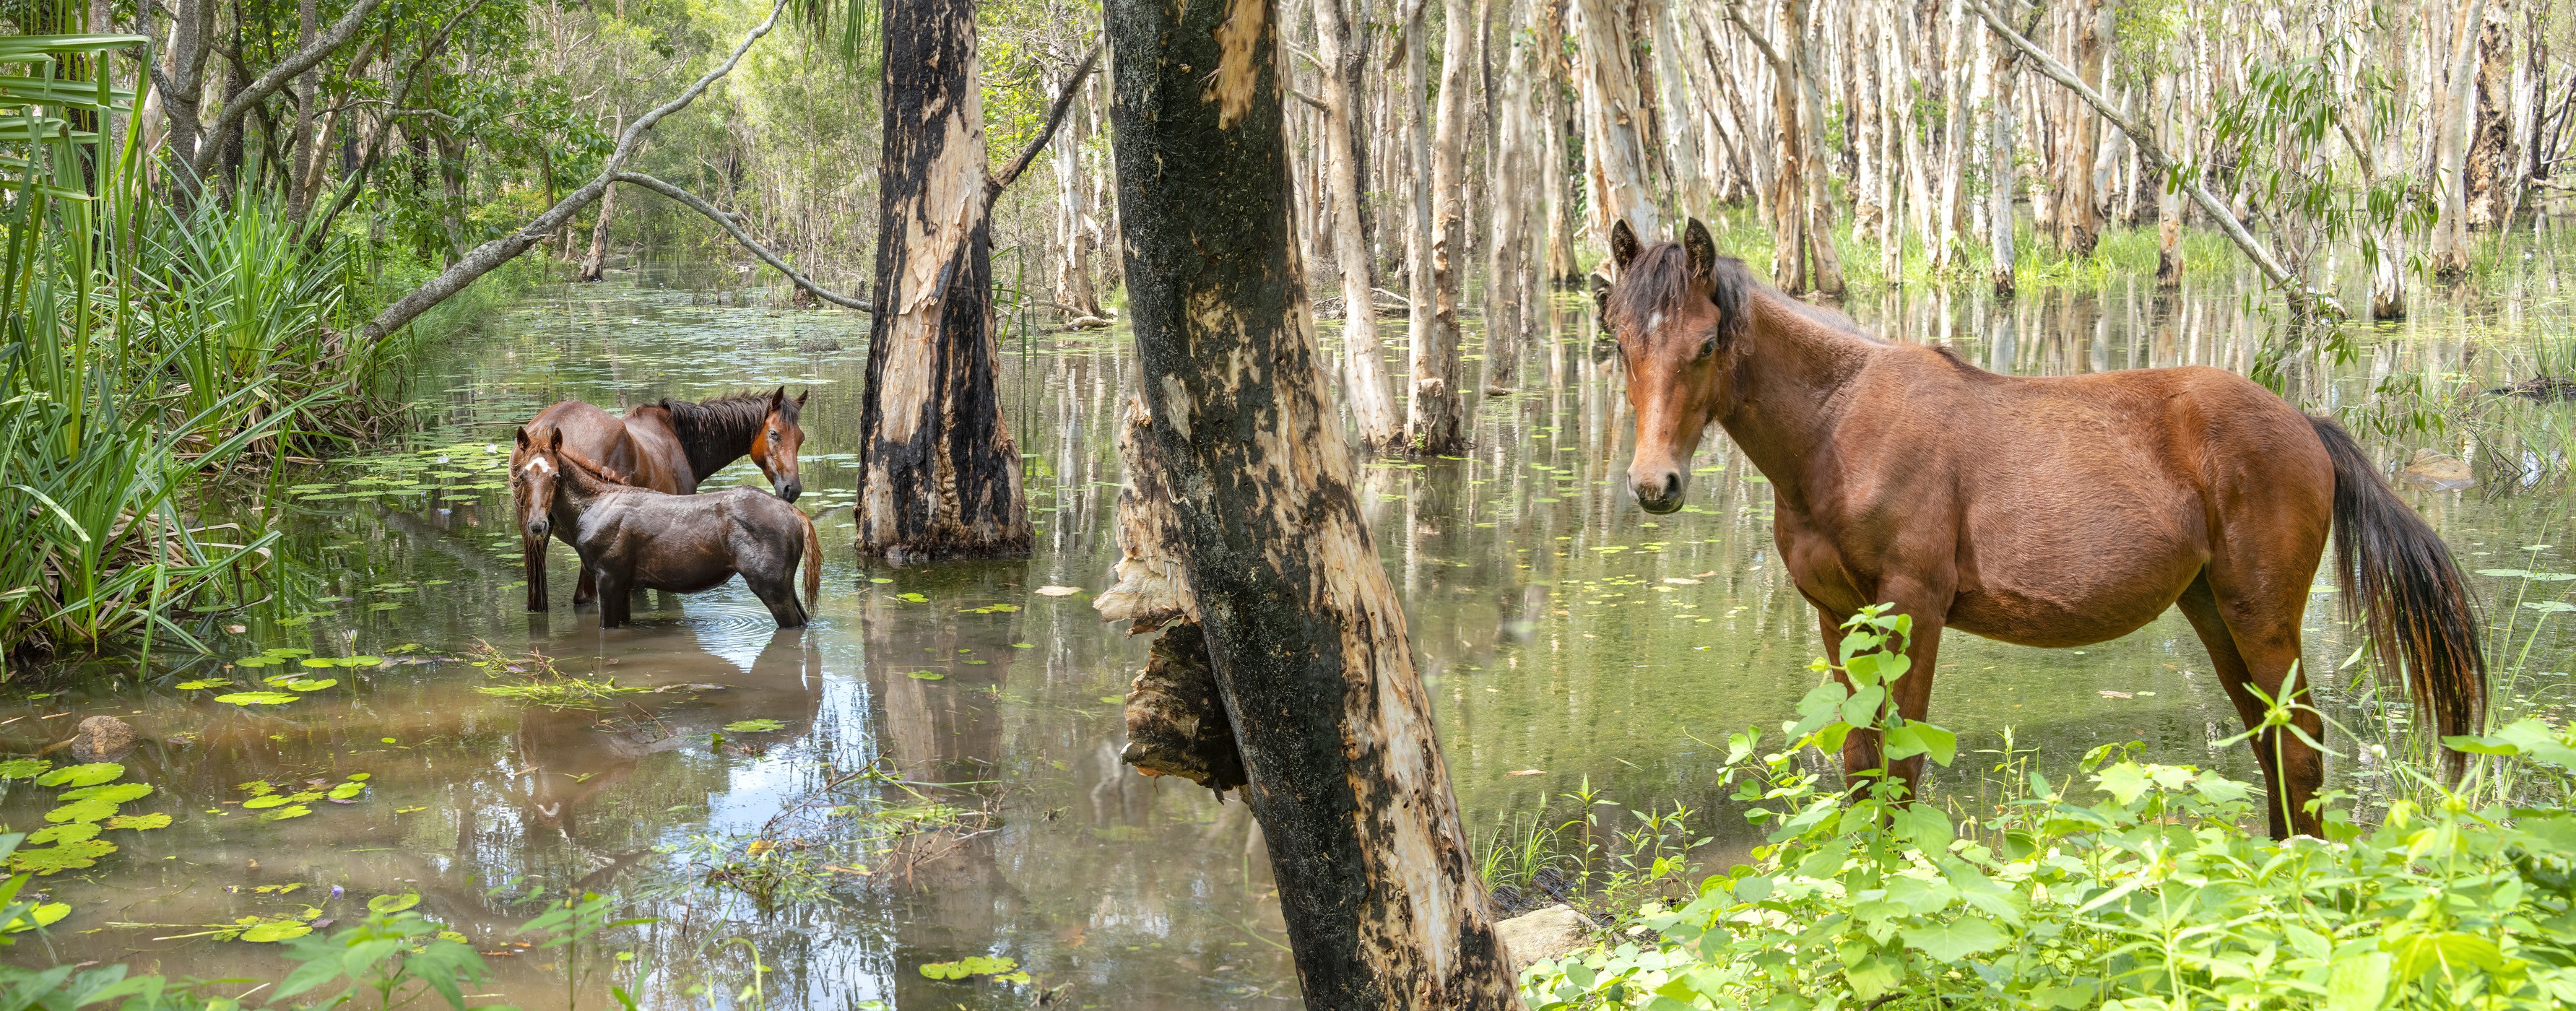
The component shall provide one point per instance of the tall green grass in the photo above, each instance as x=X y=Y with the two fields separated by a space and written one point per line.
x=144 y=352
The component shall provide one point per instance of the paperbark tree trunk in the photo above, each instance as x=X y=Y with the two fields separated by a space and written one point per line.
x=1420 y=286
x=2453 y=115
x=1074 y=229
x=2079 y=220
x=1364 y=383
x=1559 y=170
x=2169 y=202
x=595 y=262
x=1614 y=145
x=939 y=471
x=1436 y=415
x=2002 y=77
x=1511 y=297
x=2490 y=156
x=1303 y=632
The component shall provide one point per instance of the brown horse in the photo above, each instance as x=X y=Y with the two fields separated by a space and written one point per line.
x=2045 y=512
x=667 y=446
x=634 y=538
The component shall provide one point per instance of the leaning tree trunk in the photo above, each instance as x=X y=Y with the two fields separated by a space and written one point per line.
x=1436 y=415
x=939 y=472
x=1364 y=383
x=596 y=263
x=1304 y=637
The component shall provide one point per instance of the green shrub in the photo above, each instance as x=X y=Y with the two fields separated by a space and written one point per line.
x=2138 y=889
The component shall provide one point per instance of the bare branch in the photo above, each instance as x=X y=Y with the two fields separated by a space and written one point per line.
x=733 y=227
x=2158 y=160
x=1055 y=117
x=238 y=105
x=484 y=258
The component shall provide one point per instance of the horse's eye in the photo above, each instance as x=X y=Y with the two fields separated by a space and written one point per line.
x=1708 y=347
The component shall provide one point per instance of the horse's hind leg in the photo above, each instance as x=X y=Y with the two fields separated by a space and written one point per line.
x=779 y=592
x=2253 y=645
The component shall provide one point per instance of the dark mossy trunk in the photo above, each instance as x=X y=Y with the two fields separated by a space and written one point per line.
x=940 y=471
x=1303 y=632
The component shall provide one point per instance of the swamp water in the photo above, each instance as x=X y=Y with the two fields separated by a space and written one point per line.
x=1571 y=643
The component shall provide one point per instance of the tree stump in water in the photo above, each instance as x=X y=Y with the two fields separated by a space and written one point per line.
x=939 y=471
x=1176 y=723
x=1305 y=639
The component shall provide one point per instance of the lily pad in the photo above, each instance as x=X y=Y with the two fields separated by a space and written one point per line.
x=914 y=598
x=753 y=726
x=270 y=931
x=257 y=698
x=393 y=903
x=202 y=684
x=113 y=793
x=91 y=774
x=67 y=832
x=82 y=810
x=345 y=791
x=24 y=768
x=42 y=916
x=140 y=821
x=65 y=857
x=926 y=675
x=311 y=685
x=283 y=813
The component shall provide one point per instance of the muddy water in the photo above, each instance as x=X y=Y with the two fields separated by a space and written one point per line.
x=1570 y=641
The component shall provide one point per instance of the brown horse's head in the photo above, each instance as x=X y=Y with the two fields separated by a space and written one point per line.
x=774 y=446
x=533 y=473
x=1679 y=310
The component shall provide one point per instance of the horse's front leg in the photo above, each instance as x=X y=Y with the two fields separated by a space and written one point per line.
x=533 y=556
x=1864 y=751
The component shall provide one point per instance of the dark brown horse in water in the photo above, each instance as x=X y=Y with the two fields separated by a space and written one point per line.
x=633 y=538
x=2044 y=512
x=667 y=446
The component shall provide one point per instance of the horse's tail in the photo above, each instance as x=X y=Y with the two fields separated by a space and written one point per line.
x=813 y=560
x=2400 y=583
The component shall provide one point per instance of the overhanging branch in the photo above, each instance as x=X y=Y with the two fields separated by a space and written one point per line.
x=1055 y=117
x=238 y=105
x=2159 y=161
x=734 y=228
x=484 y=258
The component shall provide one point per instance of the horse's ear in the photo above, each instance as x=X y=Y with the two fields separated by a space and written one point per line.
x=1623 y=244
x=802 y=394
x=778 y=397
x=522 y=435
x=1702 y=249
x=556 y=446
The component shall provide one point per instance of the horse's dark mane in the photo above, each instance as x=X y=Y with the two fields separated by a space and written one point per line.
x=716 y=430
x=1658 y=280
x=615 y=481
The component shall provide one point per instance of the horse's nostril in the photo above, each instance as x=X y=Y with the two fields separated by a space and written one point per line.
x=1672 y=485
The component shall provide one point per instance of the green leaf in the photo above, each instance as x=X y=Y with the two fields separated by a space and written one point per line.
x=271 y=931
x=70 y=831
x=23 y=768
x=283 y=813
x=82 y=775
x=139 y=821
x=42 y=916
x=257 y=698
x=204 y=683
x=1861 y=710
x=1922 y=739
x=393 y=903
x=65 y=857
x=113 y=793
x=82 y=810
x=926 y=675
x=309 y=685
x=2358 y=984
x=346 y=791
x=753 y=726
x=1955 y=940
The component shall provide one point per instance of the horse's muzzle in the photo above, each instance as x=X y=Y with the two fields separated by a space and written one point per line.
x=1658 y=494
x=790 y=489
x=538 y=529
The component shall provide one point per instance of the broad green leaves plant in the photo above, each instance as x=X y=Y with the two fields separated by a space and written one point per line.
x=2137 y=888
